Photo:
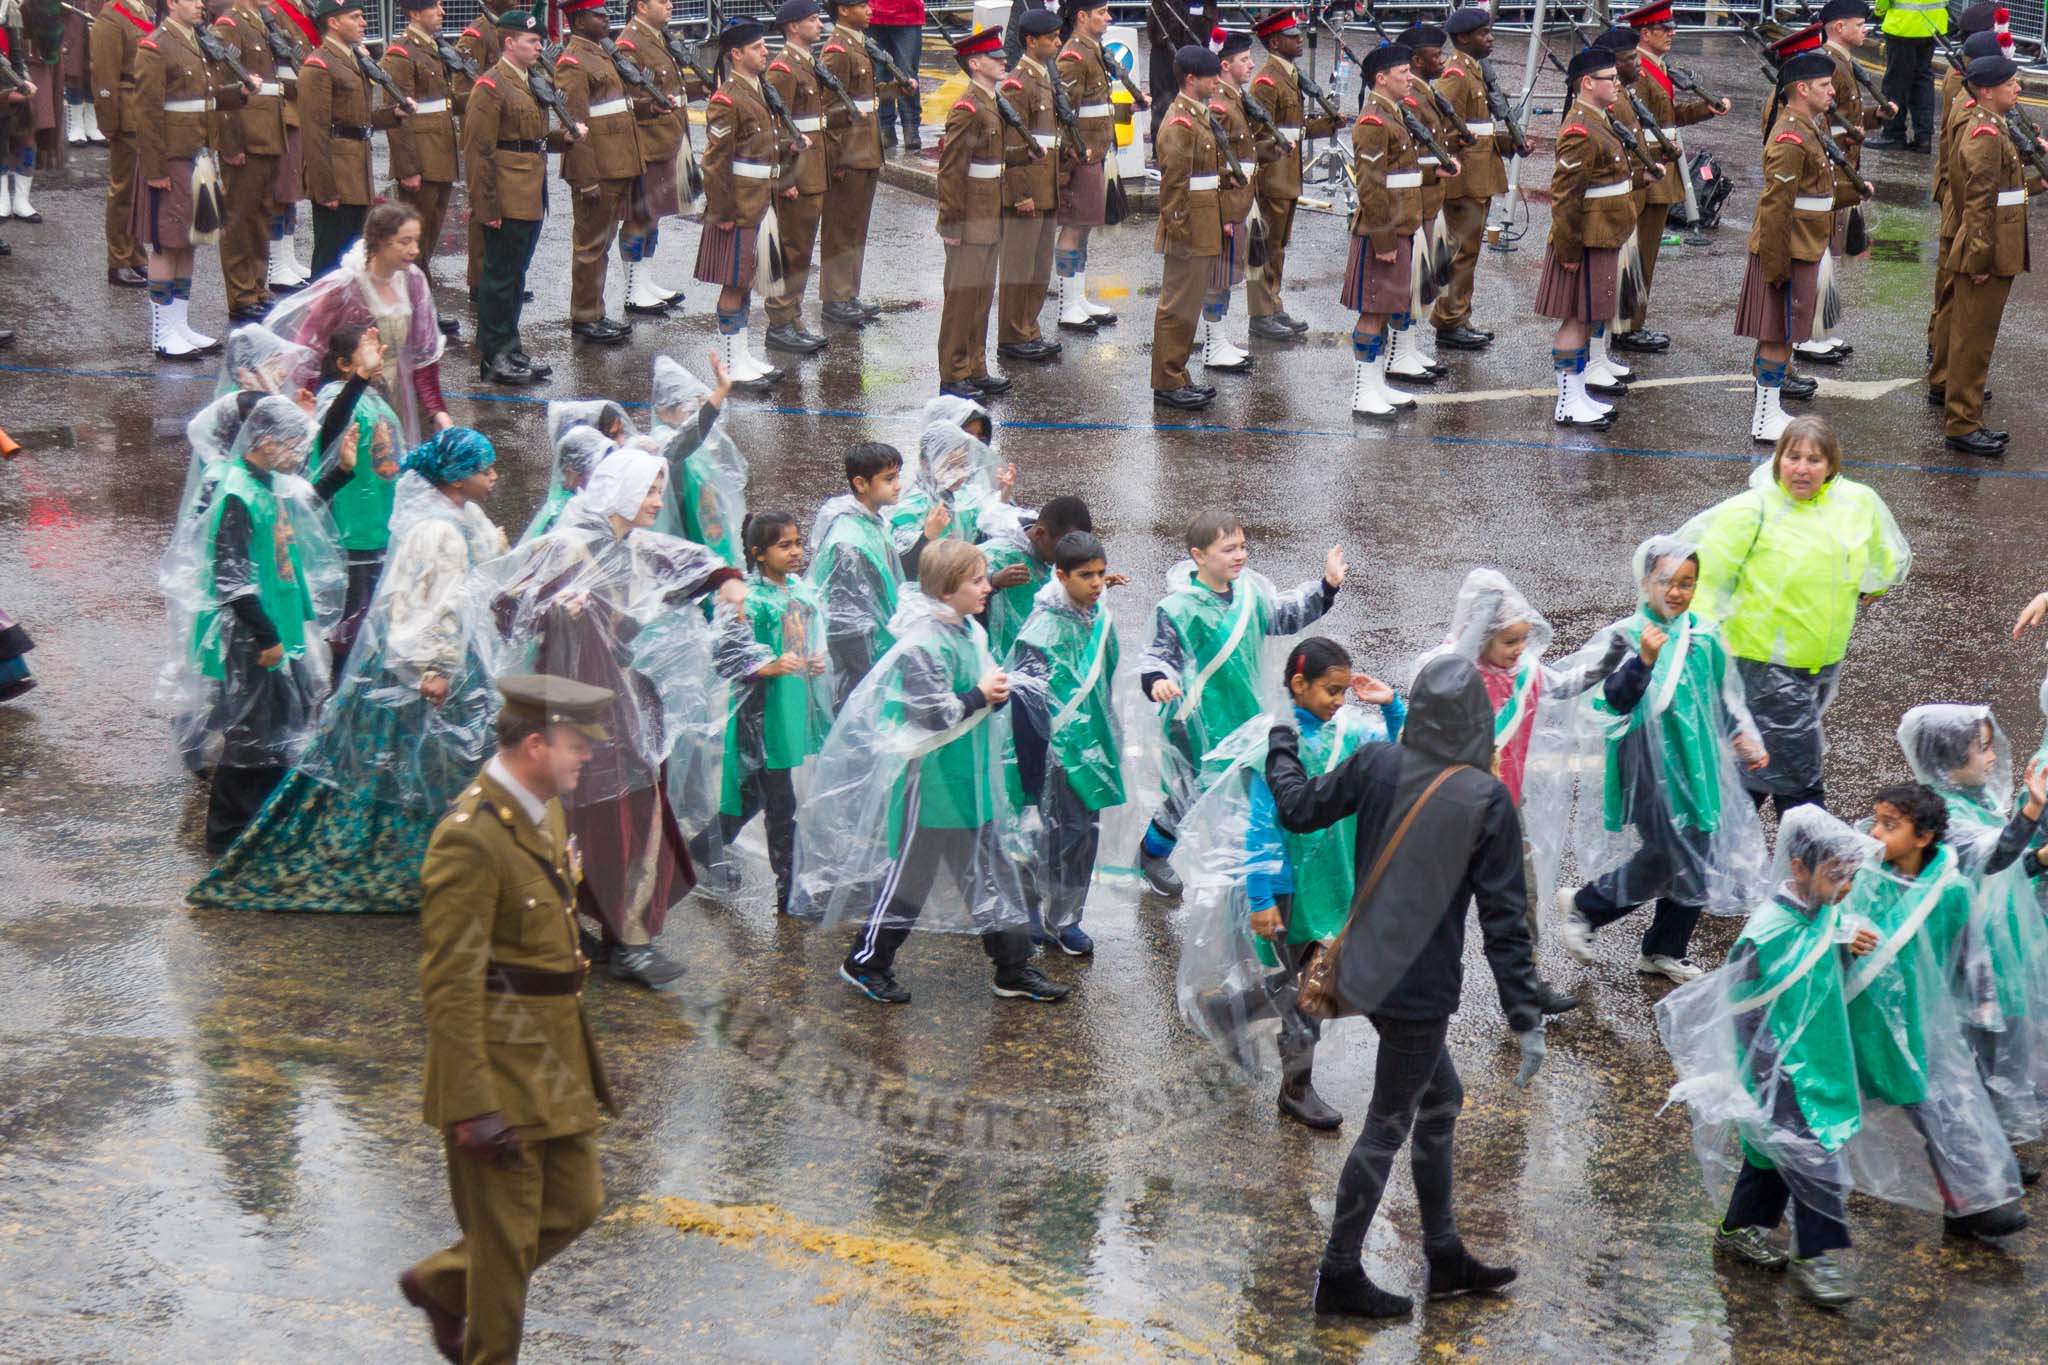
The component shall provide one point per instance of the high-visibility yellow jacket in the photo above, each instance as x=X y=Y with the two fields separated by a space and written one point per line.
x=1913 y=18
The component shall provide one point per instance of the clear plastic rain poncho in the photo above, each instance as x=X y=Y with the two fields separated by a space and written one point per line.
x=1762 y=1045
x=706 y=471
x=1653 y=756
x=253 y=566
x=404 y=317
x=1234 y=990
x=363 y=503
x=255 y=357
x=1961 y=752
x=909 y=774
x=579 y=450
x=853 y=563
x=381 y=736
x=1783 y=579
x=1931 y=1137
x=956 y=468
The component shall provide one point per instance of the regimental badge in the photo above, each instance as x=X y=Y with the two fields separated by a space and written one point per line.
x=575 y=862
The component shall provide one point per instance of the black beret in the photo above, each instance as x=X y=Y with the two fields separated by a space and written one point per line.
x=1468 y=19
x=1197 y=61
x=1984 y=72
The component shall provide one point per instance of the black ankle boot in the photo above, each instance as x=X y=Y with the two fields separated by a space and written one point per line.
x=1300 y=1102
x=1453 y=1271
x=1354 y=1294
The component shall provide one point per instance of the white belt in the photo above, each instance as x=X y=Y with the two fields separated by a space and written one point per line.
x=185 y=106
x=1479 y=129
x=812 y=124
x=1198 y=183
x=1046 y=140
x=285 y=73
x=430 y=106
x=1814 y=203
x=753 y=170
x=1427 y=161
x=863 y=106
x=2008 y=197
x=270 y=88
x=1405 y=180
x=1290 y=134
x=1609 y=191
x=1095 y=111
x=984 y=170
x=608 y=108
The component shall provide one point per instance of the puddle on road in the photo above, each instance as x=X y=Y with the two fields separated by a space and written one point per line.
x=1906 y=249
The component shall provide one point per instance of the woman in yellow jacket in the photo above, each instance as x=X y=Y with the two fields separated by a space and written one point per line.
x=1783 y=568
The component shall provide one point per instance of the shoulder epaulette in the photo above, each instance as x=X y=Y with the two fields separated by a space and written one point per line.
x=1182 y=119
x=720 y=97
x=1013 y=84
x=834 y=47
x=486 y=80
x=626 y=43
x=1263 y=80
x=1374 y=119
x=566 y=60
x=1409 y=100
x=315 y=59
x=779 y=65
x=1578 y=128
x=965 y=104
x=1789 y=136
x=149 y=43
x=1069 y=53
x=1218 y=109
x=1984 y=128
x=470 y=33
x=225 y=21
x=394 y=47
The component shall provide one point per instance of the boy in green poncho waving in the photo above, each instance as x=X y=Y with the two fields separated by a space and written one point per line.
x=1201 y=668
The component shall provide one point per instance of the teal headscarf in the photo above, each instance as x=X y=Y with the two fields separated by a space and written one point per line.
x=451 y=455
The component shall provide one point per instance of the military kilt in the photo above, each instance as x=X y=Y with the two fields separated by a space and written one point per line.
x=1372 y=285
x=1778 y=313
x=1588 y=294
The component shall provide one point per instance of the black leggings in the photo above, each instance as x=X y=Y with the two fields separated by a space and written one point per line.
x=771 y=791
x=970 y=854
x=1415 y=1089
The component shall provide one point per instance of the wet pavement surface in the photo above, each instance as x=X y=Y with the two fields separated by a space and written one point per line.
x=209 y=1136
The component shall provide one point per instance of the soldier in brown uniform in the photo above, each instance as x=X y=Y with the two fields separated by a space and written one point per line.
x=1481 y=176
x=116 y=39
x=285 y=271
x=1654 y=28
x=744 y=168
x=794 y=75
x=1253 y=144
x=1083 y=71
x=481 y=42
x=1385 y=166
x=1842 y=24
x=1789 y=235
x=80 y=125
x=1411 y=353
x=856 y=160
x=1030 y=192
x=664 y=139
x=1190 y=235
x=335 y=122
x=971 y=161
x=1592 y=213
x=513 y=1079
x=1604 y=374
x=423 y=154
x=251 y=145
x=1957 y=108
x=1990 y=249
x=1278 y=88
x=179 y=103
x=505 y=159
x=599 y=167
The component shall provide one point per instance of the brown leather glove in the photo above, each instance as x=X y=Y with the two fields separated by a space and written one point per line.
x=487 y=1135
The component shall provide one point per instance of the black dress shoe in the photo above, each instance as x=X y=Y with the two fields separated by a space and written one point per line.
x=961 y=390
x=1643 y=342
x=127 y=276
x=1187 y=398
x=651 y=310
x=1605 y=390
x=604 y=332
x=450 y=328
x=1600 y=423
x=787 y=336
x=845 y=314
x=526 y=296
x=1886 y=142
x=1272 y=327
x=6 y=337
x=1040 y=350
x=870 y=311
x=505 y=368
x=1977 y=443
x=1829 y=357
x=255 y=312
x=1294 y=324
x=991 y=383
x=1799 y=386
x=540 y=371
x=1462 y=338
x=1090 y=326
x=6 y=250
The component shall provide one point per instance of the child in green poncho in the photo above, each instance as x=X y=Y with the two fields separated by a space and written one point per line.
x=1069 y=746
x=1020 y=564
x=1201 y=668
x=781 y=705
x=854 y=563
x=355 y=451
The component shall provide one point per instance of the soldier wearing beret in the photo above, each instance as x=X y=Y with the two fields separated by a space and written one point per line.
x=793 y=73
x=335 y=121
x=1482 y=172
x=513 y=1080
x=600 y=168
x=1277 y=87
x=971 y=163
x=1190 y=236
x=423 y=151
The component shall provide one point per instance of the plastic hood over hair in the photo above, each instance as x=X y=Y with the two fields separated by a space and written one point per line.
x=1946 y=747
x=909 y=773
x=853 y=562
x=589 y=412
x=955 y=411
x=1487 y=605
x=576 y=452
x=619 y=486
x=381 y=738
x=278 y=432
x=580 y=451
x=346 y=297
x=957 y=469
x=257 y=358
x=1651 y=760
x=677 y=393
x=1762 y=1045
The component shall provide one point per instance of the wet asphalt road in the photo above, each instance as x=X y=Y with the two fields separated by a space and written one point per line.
x=210 y=1125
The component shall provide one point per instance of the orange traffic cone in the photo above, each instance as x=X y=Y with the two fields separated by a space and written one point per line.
x=9 y=447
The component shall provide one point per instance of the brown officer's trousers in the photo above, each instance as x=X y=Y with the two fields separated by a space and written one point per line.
x=596 y=222
x=963 y=318
x=1973 y=319
x=1264 y=288
x=849 y=200
x=122 y=248
x=1465 y=222
x=1183 y=284
x=1027 y=272
x=797 y=220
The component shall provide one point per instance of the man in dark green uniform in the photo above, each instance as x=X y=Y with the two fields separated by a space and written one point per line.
x=513 y=1080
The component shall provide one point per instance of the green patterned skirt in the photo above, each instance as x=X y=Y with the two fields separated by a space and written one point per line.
x=318 y=848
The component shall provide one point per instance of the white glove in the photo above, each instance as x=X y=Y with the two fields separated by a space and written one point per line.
x=1532 y=1056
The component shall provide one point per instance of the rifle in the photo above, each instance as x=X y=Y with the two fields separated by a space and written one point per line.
x=282 y=49
x=1643 y=115
x=1225 y=152
x=1443 y=106
x=1683 y=79
x=1004 y=109
x=377 y=75
x=1828 y=146
x=773 y=100
x=1315 y=92
x=214 y=50
x=452 y=59
x=837 y=87
x=679 y=53
x=1502 y=111
x=1063 y=110
x=84 y=14
x=540 y=83
x=1855 y=67
x=882 y=61
x=633 y=74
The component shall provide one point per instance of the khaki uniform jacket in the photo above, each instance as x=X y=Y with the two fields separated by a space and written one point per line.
x=480 y=43
x=795 y=78
x=497 y=890
x=1991 y=201
x=504 y=183
x=1385 y=163
x=1028 y=88
x=596 y=95
x=971 y=162
x=1625 y=115
x=1484 y=170
x=1277 y=88
x=257 y=129
x=1955 y=116
x=1795 y=170
x=854 y=141
x=742 y=155
x=1670 y=114
x=296 y=36
x=1254 y=146
x=1087 y=81
x=169 y=71
x=1848 y=104
x=1429 y=116
x=660 y=132
x=1190 y=183
x=115 y=45
x=1589 y=159
x=333 y=95
x=423 y=145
